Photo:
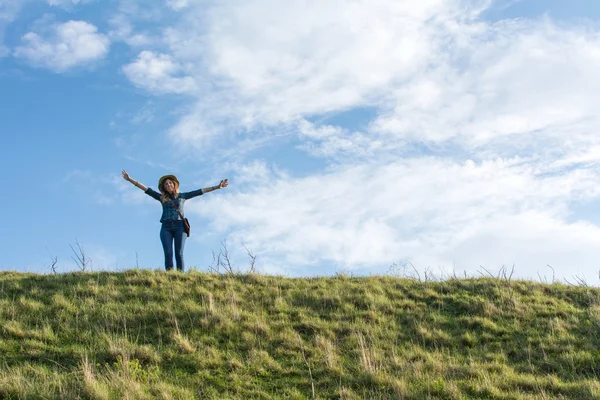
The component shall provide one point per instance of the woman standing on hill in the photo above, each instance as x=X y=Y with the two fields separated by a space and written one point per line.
x=172 y=229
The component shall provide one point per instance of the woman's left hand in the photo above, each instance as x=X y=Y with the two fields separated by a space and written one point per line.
x=223 y=183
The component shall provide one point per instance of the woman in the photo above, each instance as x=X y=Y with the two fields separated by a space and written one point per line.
x=172 y=229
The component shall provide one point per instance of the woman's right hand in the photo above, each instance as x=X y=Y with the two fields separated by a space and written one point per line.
x=126 y=176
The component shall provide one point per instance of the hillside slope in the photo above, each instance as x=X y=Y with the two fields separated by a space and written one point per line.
x=143 y=334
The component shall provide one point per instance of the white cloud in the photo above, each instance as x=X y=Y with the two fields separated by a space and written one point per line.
x=516 y=78
x=586 y=155
x=178 y=4
x=122 y=29
x=517 y=97
x=265 y=62
x=71 y=44
x=309 y=129
x=194 y=128
x=532 y=240
x=336 y=143
x=429 y=211
x=67 y=3
x=287 y=59
x=434 y=71
x=257 y=172
x=159 y=73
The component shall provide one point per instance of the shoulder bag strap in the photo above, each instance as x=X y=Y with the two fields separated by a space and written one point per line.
x=177 y=208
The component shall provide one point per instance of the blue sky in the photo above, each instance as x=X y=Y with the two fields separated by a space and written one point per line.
x=451 y=134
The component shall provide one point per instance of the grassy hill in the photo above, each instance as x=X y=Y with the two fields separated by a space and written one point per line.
x=154 y=335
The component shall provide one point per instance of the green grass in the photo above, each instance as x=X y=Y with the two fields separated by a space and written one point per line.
x=143 y=334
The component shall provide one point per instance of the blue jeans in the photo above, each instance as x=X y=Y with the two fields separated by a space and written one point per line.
x=169 y=232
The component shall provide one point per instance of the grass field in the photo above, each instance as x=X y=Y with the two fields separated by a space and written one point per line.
x=144 y=334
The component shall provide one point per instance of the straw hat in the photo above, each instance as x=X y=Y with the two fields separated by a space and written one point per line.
x=162 y=179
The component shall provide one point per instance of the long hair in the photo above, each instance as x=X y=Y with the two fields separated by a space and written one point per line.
x=166 y=196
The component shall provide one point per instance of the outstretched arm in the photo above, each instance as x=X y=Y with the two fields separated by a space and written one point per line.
x=224 y=183
x=195 y=193
x=135 y=183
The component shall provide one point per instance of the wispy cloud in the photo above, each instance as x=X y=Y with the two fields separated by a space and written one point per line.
x=104 y=189
x=68 y=4
x=67 y=45
x=124 y=193
x=159 y=73
x=433 y=70
x=77 y=174
x=123 y=29
x=483 y=133
x=9 y=9
x=273 y=62
x=522 y=79
x=430 y=211
x=178 y=4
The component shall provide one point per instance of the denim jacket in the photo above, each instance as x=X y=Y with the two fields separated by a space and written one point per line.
x=169 y=212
